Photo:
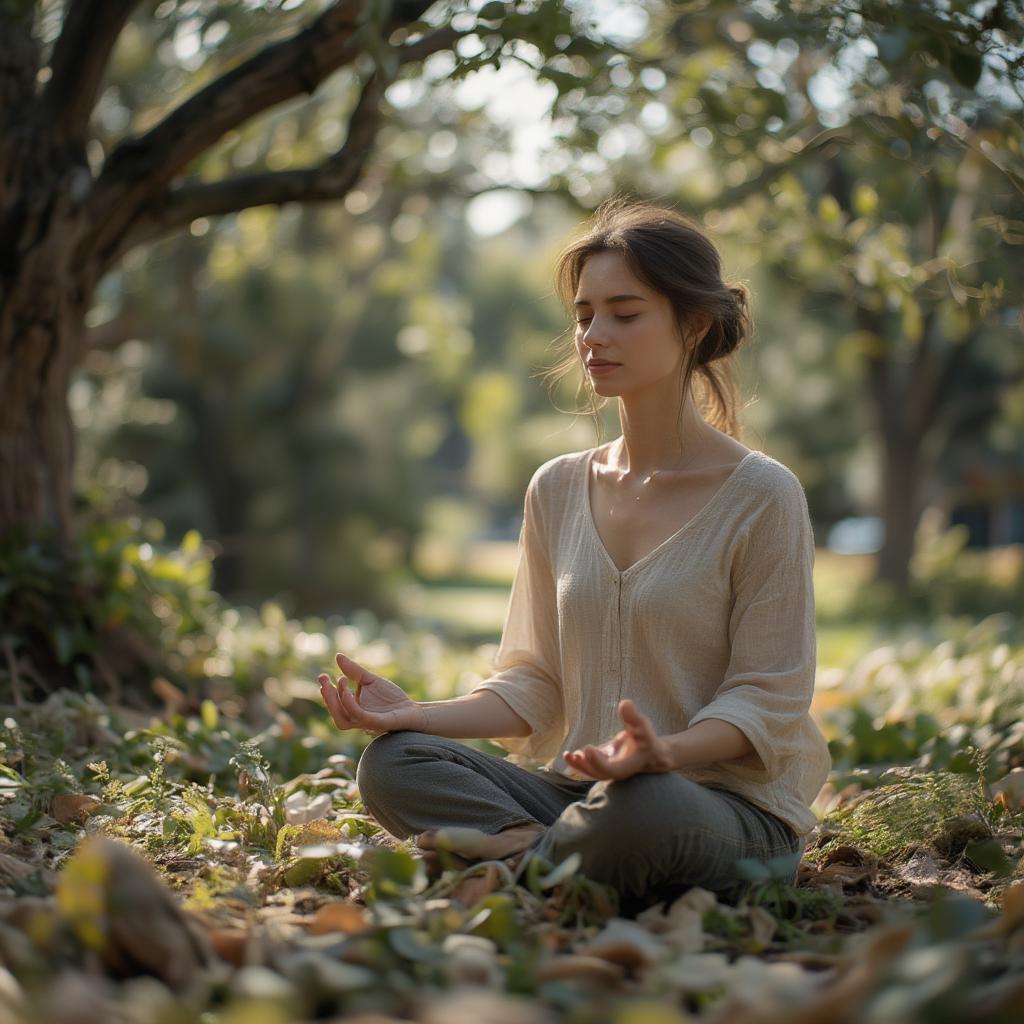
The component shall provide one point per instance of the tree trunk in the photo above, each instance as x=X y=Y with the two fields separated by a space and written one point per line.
x=41 y=326
x=901 y=452
x=901 y=474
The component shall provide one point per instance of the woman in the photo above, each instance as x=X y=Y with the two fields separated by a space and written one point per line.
x=658 y=655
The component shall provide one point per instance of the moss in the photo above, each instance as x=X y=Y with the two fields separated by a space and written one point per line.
x=311 y=834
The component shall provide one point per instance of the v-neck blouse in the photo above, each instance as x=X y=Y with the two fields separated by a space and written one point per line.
x=704 y=510
x=717 y=621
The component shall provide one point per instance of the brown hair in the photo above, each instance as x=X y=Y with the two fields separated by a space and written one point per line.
x=672 y=255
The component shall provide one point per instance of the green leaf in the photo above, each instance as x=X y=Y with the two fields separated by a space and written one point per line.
x=396 y=873
x=500 y=924
x=952 y=915
x=564 y=871
x=305 y=870
x=989 y=855
x=210 y=716
x=494 y=10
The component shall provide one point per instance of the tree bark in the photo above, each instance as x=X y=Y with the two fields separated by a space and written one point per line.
x=61 y=228
x=901 y=476
x=901 y=455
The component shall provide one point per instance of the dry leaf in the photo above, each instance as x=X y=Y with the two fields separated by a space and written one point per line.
x=702 y=972
x=1009 y=790
x=471 y=960
x=300 y=809
x=922 y=868
x=473 y=888
x=338 y=917
x=686 y=934
x=73 y=807
x=14 y=868
x=577 y=967
x=176 y=701
x=623 y=942
x=230 y=944
x=476 y=1006
x=116 y=905
x=762 y=925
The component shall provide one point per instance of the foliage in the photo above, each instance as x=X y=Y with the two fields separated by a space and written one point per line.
x=263 y=854
x=945 y=698
x=114 y=607
x=944 y=809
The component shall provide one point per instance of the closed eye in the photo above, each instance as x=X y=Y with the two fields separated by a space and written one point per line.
x=587 y=319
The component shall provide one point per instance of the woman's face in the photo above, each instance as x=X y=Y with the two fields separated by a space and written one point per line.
x=620 y=320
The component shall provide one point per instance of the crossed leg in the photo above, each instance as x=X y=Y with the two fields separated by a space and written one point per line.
x=649 y=836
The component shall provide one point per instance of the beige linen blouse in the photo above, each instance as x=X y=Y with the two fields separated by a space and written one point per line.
x=716 y=622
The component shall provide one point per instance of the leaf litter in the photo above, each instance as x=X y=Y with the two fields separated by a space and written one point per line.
x=156 y=871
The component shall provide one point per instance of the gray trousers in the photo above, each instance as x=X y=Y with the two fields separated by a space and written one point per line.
x=650 y=837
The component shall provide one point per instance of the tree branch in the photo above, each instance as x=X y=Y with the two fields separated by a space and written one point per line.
x=281 y=71
x=79 y=62
x=331 y=179
x=140 y=168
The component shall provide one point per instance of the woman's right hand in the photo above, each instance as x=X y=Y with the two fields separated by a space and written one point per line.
x=378 y=705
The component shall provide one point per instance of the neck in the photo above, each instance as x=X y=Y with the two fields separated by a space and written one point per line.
x=650 y=440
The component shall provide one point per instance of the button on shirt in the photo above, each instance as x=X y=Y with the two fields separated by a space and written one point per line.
x=715 y=622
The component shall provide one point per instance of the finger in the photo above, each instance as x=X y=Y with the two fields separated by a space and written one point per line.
x=356 y=712
x=594 y=762
x=576 y=762
x=354 y=671
x=334 y=706
x=637 y=723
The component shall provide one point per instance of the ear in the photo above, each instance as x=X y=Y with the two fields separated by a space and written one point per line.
x=700 y=324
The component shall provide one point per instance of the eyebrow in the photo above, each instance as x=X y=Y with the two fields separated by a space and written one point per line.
x=614 y=298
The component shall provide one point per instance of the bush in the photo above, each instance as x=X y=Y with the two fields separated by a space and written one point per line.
x=106 y=612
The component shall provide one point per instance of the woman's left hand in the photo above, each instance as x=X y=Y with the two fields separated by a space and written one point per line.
x=636 y=749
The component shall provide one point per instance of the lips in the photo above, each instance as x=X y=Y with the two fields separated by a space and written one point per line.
x=602 y=362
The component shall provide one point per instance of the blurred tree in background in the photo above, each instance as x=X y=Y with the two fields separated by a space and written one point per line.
x=94 y=169
x=868 y=156
x=294 y=258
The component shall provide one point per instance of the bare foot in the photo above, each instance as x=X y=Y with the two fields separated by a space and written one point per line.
x=476 y=845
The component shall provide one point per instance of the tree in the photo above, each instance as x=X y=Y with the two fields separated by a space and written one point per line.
x=870 y=152
x=70 y=210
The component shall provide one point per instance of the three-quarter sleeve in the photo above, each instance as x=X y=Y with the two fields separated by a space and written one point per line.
x=527 y=663
x=769 y=681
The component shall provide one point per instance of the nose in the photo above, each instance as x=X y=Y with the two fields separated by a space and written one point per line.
x=595 y=333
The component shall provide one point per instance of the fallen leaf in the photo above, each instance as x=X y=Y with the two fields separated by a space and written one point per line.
x=579 y=967
x=623 y=942
x=13 y=868
x=116 y=905
x=474 y=887
x=472 y=1006
x=338 y=917
x=471 y=960
x=1009 y=790
x=70 y=808
x=921 y=868
x=299 y=808
x=229 y=944
x=762 y=925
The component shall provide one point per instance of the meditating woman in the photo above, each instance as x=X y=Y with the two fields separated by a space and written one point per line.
x=656 y=667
